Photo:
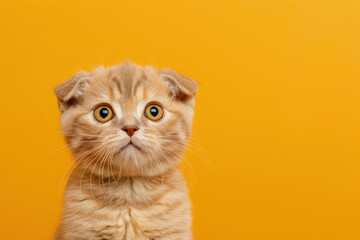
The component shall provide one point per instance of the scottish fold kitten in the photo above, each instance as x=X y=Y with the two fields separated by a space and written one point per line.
x=127 y=128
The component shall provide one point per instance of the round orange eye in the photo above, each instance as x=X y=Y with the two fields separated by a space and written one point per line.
x=103 y=113
x=154 y=111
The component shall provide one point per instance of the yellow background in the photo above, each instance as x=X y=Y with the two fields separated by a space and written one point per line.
x=277 y=111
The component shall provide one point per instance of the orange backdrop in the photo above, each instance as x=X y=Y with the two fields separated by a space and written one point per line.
x=275 y=151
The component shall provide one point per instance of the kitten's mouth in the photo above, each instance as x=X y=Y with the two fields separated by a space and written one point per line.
x=131 y=144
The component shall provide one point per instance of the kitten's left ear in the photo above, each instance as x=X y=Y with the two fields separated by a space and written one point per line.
x=69 y=93
x=180 y=87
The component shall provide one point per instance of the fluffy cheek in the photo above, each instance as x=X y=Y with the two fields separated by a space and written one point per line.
x=168 y=139
x=84 y=135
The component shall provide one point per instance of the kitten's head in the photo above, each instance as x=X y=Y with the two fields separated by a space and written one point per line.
x=133 y=120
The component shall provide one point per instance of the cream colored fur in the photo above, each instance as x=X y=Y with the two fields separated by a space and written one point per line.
x=118 y=191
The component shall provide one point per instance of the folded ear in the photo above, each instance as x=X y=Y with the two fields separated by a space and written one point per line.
x=180 y=87
x=70 y=92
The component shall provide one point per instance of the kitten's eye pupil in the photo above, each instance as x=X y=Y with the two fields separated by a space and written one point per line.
x=103 y=112
x=154 y=111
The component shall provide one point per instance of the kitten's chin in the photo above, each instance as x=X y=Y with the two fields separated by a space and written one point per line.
x=129 y=152
x=130 y=161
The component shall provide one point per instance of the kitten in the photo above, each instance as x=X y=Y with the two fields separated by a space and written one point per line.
x=127 y=127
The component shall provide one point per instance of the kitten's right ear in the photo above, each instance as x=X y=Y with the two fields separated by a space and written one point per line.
x=69 y=93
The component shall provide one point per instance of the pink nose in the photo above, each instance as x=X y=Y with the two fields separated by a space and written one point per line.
x=130 y=130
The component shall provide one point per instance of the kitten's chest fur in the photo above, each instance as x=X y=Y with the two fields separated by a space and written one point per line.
x=129 y=208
